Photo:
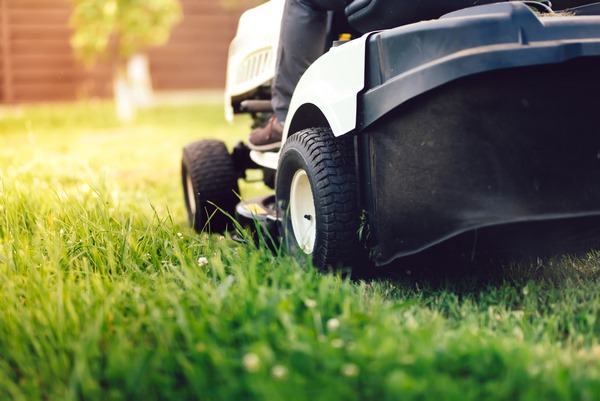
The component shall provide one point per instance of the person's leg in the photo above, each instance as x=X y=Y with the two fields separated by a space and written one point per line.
x=301 y=42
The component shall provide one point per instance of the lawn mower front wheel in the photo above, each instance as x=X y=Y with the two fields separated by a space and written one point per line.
x=317 y=198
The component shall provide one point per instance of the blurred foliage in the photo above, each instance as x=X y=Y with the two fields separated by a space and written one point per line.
x=120 y=28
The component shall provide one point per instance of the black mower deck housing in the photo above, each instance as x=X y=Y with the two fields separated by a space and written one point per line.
x=489 y=116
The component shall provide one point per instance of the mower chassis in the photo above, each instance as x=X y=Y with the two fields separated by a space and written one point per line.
x=481 y=118
x=484 y=118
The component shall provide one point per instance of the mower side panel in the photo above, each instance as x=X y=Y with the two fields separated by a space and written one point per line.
x=507 y=146
x=327 y=92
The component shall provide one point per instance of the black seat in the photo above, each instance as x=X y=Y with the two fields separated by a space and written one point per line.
x=371 y=15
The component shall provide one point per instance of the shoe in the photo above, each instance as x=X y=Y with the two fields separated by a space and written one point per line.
x=267 y=138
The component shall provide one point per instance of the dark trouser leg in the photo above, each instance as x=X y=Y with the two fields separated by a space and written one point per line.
x=301 y=42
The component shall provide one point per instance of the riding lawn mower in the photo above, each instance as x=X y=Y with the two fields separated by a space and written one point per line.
x=423 y=123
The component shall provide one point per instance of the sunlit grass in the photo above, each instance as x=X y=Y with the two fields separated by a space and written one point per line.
x=106 y=294
x=142 y=159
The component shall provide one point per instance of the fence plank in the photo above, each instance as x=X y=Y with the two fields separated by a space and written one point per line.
x=7 y=89
x=37 y=62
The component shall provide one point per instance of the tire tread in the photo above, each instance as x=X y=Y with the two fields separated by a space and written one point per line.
x=214 y=179
x=336 y=187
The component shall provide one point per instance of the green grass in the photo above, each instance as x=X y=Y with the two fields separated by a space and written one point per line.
x=106 y=294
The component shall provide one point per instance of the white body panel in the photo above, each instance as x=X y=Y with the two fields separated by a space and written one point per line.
x=332 y=84
x=265 y=159
x=252 y=53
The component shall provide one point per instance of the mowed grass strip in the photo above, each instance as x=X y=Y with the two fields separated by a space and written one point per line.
x=106 y=294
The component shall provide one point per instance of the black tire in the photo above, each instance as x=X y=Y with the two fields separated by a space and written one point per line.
x=210 y=185
x=316 y=157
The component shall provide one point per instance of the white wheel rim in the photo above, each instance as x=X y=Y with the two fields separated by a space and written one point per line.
x=190 y=194
x=302 y=212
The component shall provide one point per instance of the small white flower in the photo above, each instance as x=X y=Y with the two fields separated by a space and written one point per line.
x=350 y=370
x=333 y=324
x=310 y=303
x=337 y=343
x=411 y=322
x=180 y=235
x=518 y=333
x=251 y=362
x=279 y=371
x=202 y=261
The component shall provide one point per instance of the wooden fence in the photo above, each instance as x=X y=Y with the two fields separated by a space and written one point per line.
x=37 y=63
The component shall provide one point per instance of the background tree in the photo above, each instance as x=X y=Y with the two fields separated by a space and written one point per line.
x=119 y=30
